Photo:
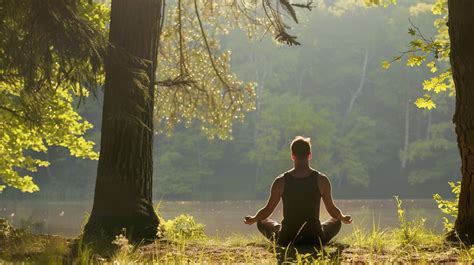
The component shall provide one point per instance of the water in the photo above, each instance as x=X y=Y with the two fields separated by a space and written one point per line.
x=221 y=218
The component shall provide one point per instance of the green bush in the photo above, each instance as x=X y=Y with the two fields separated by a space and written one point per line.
x=183 y=227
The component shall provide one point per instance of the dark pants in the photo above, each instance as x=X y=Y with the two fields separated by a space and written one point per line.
x=271 y=229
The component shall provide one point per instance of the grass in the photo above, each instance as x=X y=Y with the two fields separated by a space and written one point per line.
x=411 y=242
x=374 y=246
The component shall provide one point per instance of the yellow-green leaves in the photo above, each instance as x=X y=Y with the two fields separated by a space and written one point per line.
x=421 y=48
x=203 y=87
x=23 y=140
x=432 y=66
x=415 y=60
x=425 y=102
x=36 y=108
x=449 y=207
x=384 y=3
x=441 y=83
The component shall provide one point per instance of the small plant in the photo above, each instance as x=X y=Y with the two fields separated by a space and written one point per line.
x=413 y=233
x=84 y=254
x=376 y=240
x=466 y=254
x=6 y=229
x=303 y=258
x=449 y=207
x=183 y=227
x=124 y=253
x=123 y=244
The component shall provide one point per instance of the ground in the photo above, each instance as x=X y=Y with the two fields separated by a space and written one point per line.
x=21 y=246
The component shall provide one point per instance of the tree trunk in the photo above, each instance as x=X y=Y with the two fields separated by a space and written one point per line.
x=428 y=126
x=407 y=135
x=123 y=192
x=461 y=34
x=355 y=94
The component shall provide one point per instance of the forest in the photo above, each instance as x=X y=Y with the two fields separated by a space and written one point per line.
x=367 y=133
x=236 y=131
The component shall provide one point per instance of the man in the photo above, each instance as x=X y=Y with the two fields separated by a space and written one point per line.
x=301 y=190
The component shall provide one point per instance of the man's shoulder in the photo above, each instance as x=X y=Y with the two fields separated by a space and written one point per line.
x=320 y=173
x=280 y=177
x=322 y=178
x=279 y=183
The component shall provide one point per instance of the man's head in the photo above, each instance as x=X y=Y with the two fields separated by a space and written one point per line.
x=301 y=148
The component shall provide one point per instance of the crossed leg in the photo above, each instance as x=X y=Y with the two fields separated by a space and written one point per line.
x=330 y=229
x=269 y=228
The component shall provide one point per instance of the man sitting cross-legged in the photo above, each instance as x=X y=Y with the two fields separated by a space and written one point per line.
x=301 y=190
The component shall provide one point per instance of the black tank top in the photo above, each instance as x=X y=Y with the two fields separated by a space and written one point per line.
x=301 y=204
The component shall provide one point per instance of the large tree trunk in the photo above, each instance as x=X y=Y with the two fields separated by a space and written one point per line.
x=461 y=34
x=123 y=192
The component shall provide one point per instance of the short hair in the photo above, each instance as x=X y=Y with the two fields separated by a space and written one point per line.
x=301 y=147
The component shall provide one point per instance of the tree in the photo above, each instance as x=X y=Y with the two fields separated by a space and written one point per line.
x=64 y=49
x=461 y=35
x=453 y=42
x=50 y=51
x=123 y=193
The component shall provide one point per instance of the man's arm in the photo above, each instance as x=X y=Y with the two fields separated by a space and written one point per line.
x=326 y=193
x=273 y=200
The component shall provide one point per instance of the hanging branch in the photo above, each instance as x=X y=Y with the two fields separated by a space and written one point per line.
x=208 y=48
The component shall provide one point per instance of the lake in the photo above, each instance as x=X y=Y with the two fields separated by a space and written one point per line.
x=221 y=218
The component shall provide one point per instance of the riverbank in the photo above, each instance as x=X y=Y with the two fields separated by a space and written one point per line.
x=222 y=218
x=409 y=244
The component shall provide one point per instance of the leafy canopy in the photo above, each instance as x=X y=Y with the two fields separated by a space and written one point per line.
x=194 y=69
x=54 y=50
x=50 y=51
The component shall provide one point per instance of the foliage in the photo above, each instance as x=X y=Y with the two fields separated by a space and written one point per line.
x=54 y=50
x=188 y=58
x=309 y=87
x=280 y=119
x=182 y=227
x=187 y=156
x=449 y=207
x=385 y=3
x=194 y=69
x=375 y=240
x=432 y=52
x=45 y=249
x=50 y=51
x=426 y=156
x=125 y=251
x=352 y=149
x=413 y=234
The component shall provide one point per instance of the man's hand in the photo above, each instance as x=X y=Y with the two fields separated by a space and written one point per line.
x=249 y=220
x=346 y=219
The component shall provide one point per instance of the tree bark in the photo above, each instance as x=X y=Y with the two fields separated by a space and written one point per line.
x=123 y=192
x=355 y=94
x=461 y=34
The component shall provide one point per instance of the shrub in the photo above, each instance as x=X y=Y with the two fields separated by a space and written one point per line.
x=413 y=233
x=183 y=227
